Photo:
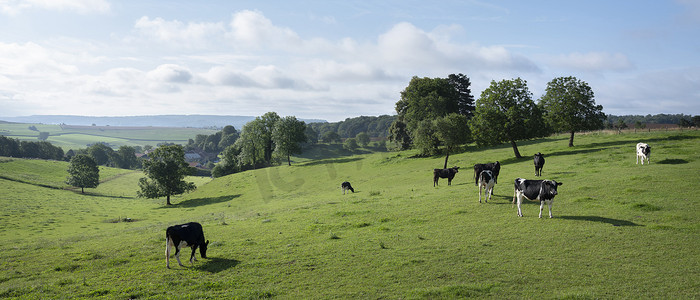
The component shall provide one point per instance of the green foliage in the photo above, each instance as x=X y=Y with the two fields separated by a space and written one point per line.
x=350 y=144
x=166 y=168
x=569 y=106
x=426 y=99
x=83 y=172
x=505 y=112
x=362 y=139
x=330 y=137
x=230 y=162
x=287 y=135
x=399 y=135
x=452 y=131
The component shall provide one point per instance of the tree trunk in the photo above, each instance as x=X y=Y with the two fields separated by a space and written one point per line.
x=289 y=161
x=447 y=156
x=571 y=139
x=82 y=190
x=515 y=149
x=168 y=200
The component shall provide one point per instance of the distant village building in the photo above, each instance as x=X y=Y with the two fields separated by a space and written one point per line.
x=192 y=156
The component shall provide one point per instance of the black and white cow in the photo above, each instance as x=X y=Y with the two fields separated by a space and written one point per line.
x=535 y=190
x=539 y=164
x=643 y=152
x=185 y=235
x=494 y=167
x=486 y=181
x=448 y=173
x=346 y=186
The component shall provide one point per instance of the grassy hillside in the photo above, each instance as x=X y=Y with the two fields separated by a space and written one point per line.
x=620 y=230
x=77 y=137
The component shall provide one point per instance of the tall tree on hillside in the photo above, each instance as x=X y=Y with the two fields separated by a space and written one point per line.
x=268 y=120
x=252 y=143
x=465 y=99
x=505 y=112
x=569 y=106
x=426 y=99
x=287 y=135
x=166 y=168
x=83 y=172
x=399 y=135
x=452 y=131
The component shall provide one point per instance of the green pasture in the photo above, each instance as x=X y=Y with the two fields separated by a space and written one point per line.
x=620 y=230
x=77 y=137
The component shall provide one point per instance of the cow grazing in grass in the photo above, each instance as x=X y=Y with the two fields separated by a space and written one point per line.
x=448 y=173
x=486 y=181
x=539 y=164
x=185 y=235
x=345 y=186
x=535 y=190
x=643 y=152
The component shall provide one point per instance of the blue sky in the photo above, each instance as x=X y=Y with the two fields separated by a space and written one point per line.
x=335 y=59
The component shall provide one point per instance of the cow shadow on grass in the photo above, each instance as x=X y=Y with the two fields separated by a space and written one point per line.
x=202 y=201
x=217 y=264
x=613 y=222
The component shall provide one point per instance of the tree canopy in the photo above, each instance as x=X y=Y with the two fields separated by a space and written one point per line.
x=569 y=106
x=505 y=112
x=83 y=172
x=287 y=135
x=166 y=168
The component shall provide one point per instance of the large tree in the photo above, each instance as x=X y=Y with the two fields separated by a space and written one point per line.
x=569 y=106
x=252 y=143
x=452 y=131
x=166 y=168
x=505 y=112
x=465 y=99
x=268 y=120
x=426 y=99
x=288 y=135
x=83 y=172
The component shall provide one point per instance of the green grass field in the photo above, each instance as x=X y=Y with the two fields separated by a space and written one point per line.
x=620 y=230
x=78 y=137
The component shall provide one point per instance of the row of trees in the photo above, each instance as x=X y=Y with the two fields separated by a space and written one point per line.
x=29 y=149
x=436 y=112
x=263 y=141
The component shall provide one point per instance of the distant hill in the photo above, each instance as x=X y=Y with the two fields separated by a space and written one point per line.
x=195 y=121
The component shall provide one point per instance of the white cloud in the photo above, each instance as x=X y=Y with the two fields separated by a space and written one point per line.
x=171 y=73
x=253 y=29
x=191 y=35
x=593 y=62
x=13 y=7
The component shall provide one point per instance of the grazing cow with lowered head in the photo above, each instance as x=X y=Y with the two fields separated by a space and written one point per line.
x=535 y=190
x=539 y=164
x=643 y=152
x=448 y=173
x=346 y=186
x=185 y=235
x=486 y=181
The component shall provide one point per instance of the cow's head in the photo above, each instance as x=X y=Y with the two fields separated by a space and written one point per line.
x=203 y=249
x=455 y=168
x=549 y=189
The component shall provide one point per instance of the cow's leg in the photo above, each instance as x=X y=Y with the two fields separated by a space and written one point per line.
x=520 y=201
x=541 y=207
x=167 y=252
x=178 y=247
x=489 y=193
x=479 y=193
x=550 y=208
x=192 y=257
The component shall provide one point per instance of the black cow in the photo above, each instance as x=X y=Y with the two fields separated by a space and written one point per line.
x=448 y=173
x=346 y=186
x=185 y=235
x=539 y=164
x=542 y=190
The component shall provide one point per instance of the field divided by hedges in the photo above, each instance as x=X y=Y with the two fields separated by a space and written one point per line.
x=620 y=230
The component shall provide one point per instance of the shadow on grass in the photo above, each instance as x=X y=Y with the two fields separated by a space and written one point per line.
x=331 y=160
x=216 y=264
x=613 y=222
x=202 y=201
x=672 y=161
